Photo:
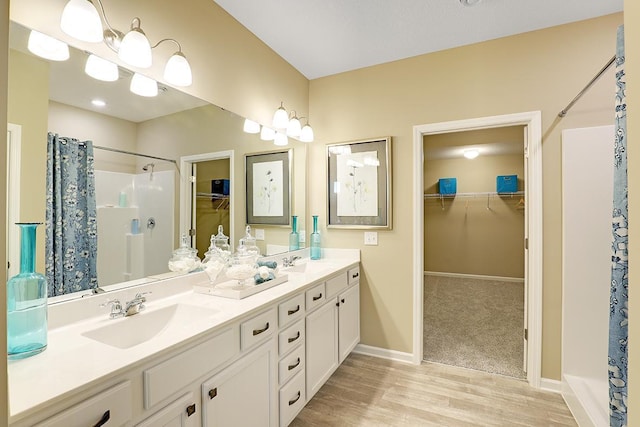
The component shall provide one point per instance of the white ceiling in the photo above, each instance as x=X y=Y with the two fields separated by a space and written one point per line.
x=324 y=37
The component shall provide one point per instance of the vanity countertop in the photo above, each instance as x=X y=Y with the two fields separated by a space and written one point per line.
x=73 y=362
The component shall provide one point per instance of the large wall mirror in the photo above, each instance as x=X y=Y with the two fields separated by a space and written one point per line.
x=50 y=96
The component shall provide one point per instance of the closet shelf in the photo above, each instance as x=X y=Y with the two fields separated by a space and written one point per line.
x=477 y=194
x=223 y=200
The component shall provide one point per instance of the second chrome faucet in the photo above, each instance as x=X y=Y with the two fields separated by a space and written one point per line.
x=135 y=306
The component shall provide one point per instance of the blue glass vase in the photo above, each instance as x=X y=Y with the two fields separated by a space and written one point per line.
x=26 y=301
x=315 y=240
x=294 y=237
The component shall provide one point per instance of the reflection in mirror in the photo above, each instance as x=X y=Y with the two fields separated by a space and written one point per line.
x=55 y=96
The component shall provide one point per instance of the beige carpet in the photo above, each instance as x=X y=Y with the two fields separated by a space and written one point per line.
x=474 y=324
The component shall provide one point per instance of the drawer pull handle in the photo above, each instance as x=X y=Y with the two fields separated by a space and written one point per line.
x=290 y=312
x=294 y=366
x=259 y=331
x=293 y=402
x=191 y=409
x=105 y=419
x=290 y=340
x=318 y=297
x=213 y=393
x=342 y=300
x=355 y=275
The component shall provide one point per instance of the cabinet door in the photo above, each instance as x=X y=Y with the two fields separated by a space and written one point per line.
x=322 y=346
x=181 y=413
x=244 y=394
x=349 y=320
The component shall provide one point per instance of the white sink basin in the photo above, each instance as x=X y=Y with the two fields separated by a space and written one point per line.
x=308 y=266
x=137 y=329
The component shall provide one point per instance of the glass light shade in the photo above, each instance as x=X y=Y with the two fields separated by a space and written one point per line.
x=178 y=71
x=306 y=134
x=135 y=49
x=281 y=139
x=280 y=118
x=267 y=134
x=250 y=126
x=470 y=154
x=143 y=86
x=47 y=47
x=101 y=69
x=293 y=128
x=81 y=20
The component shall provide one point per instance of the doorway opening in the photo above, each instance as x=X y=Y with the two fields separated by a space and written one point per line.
x=474 y=252
x=531 y=121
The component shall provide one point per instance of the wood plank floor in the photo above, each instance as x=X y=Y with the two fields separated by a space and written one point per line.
x=368 y=391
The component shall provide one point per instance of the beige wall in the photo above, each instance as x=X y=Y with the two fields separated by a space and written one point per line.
x=541 y=70
x=469 y=235
x=4 y=54
x=27 y=107
x=632 y=53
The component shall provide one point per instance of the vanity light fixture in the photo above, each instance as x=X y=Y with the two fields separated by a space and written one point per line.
x=47 y=47
x=471 y=154
x=250 y=126
x=306 y=134
x=267 y=134
x=101 y=69
x=281 y=139
x=280 y=118
x=293 y=127
x=143 y=86
x=80 y=19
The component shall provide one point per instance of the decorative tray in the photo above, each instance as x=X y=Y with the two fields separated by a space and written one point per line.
x=230 y=288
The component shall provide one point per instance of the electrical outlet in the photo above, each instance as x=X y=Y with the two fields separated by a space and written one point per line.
x=371 y=238
x=301 y=238
x=259 y=233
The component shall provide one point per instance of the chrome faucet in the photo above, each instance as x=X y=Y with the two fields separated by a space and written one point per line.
x=291 y=261
x=135 y=306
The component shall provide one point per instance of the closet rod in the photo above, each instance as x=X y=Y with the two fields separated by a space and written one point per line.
x=593 y=80
x=115 y=150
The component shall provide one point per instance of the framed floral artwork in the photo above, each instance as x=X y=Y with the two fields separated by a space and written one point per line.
x=268 y=191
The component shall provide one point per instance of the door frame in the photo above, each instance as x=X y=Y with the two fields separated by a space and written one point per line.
x=186 y=197
x=14 y=154
x=532 y=121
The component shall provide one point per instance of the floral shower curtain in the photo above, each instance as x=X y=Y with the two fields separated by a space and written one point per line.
x=619 y=299
x=71 y=232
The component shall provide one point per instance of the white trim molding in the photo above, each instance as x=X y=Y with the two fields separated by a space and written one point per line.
x=532 y=121
x=474 y=276
x=14 y=155
x=550 y=385
x=383 y=353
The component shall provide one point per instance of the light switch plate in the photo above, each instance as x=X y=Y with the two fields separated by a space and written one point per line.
x=259 y=234
x=371 y=238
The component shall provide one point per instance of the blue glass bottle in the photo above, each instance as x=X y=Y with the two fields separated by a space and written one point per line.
x=315 y=240
x=26 y=301
x=294 y=237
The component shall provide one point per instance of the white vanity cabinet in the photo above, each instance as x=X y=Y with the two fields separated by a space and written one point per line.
x=181 y=413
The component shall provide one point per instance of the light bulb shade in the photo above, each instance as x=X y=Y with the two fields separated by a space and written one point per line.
x=101 y=69
x=306 y=134
x=143 y=85
x=81 y=20
x=47 y=47
x=280 y=118
x=135 y=49
x=267 y=134
x=470 y=154
x=178 y=71
x=293 y=128
x=250 y=126
x=281 y=139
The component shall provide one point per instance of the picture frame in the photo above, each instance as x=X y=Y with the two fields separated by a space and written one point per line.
x=359 y=186
x=268 y=187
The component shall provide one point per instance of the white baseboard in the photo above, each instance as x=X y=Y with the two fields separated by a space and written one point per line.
x=550 y=385
x=474 y=276
x=384 y=353
x=587 y=400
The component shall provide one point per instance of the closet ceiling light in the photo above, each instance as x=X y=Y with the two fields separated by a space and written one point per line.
x=250 y=126
x=98 y=102
x=267 y=134
x=143 y=86
x=471 y=154
x=101 y=69
x=47 y=47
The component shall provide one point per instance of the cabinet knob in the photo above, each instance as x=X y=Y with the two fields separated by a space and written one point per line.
x=259 y=331
x=293 y=401
x=290 y=312
x=105 y=419
x=316 y=298
x=290 y=340
x=213 y=393
x=191 y=409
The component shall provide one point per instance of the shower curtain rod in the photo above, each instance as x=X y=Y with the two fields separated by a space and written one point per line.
x=115 y=150
x=593 y=80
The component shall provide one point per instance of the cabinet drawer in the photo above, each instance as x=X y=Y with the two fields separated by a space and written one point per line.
x=291 y=337
x=291 y=365
x=353 y=275
x=182 y=412
x=292 y=399
x=291 y=310
x=112 y=407
x=168 y=377
x=258 y=328
x=336 y=284
x=315 y=296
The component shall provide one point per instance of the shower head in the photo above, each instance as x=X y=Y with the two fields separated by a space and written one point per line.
x=147 y=166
